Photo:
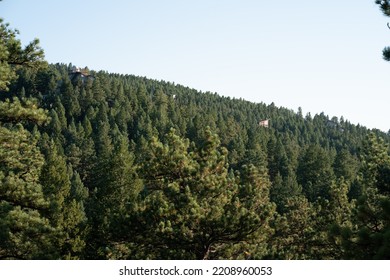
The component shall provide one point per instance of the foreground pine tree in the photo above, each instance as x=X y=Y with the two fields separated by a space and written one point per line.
x=193 y=208
x=25 y=233
x=369 y=235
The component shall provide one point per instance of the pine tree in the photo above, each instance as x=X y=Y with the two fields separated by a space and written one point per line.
x=13 y=55
x=345 y=165
x=76 y=229
x=66 y=212
x=315 y=173
x=294 y=230
x=25 y=232
x=55 y=125
x=284 y=189
x=116 y=185
x=338 y=214
x=369 y=235
x=385 y=7
x=193 y=208
x=159 y=112
x=21 y=111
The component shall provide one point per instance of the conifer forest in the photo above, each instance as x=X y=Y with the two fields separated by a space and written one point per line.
x=97 y=165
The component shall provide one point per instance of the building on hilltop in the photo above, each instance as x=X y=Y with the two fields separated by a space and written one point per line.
x=79 y=73
x=264 y=123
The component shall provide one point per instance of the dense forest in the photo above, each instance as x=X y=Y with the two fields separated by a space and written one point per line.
x=95 y=165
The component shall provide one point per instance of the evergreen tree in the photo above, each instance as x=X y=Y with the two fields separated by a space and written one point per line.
x=116 y=187
x=25 y=232
x=283 y=189
x=368 y=237
x=336 y=214
x=13 y=55
x=66 y=212
x=385 y=7
x=160 y=109
x=18 y=111
x=294 y=231
x=345 y=165
x=193 y=208
x=315 y=173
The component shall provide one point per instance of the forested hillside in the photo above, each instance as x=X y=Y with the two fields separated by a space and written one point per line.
x=96 y=165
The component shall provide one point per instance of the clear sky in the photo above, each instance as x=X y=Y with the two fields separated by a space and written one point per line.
x=323 y=56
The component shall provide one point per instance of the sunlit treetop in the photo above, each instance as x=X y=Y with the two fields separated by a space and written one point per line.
x=14 y=55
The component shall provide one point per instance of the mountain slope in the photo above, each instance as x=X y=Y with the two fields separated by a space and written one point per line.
x=185 y=174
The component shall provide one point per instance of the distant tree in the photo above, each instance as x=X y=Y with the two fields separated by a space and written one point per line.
x=335 y=213
x=69 y=98
x=315 y=173
x=115 y=187
x=66 y=196
x=345 y=165
x=283 y=189
x=160 y=111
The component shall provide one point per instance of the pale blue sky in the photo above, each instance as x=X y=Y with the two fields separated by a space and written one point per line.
x=324 y=56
